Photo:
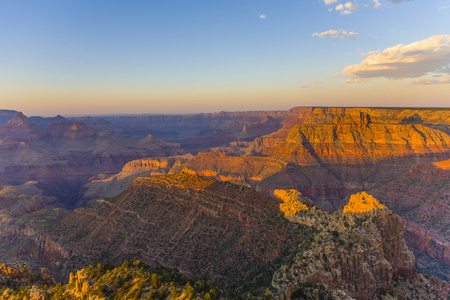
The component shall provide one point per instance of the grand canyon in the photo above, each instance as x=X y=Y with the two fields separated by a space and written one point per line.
x=305 y=203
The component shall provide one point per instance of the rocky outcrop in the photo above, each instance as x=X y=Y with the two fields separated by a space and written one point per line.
x=293 y=201
x=359 y=251
x=362 y=203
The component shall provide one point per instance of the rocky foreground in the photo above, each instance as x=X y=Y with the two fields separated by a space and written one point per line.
x=233 y=237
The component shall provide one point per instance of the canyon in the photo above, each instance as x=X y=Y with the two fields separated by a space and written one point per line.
x=102 y=170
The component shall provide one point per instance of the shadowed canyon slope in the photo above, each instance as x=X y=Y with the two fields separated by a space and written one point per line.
x=421 y=196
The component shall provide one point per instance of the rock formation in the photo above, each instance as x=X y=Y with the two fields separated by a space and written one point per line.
x=359 y=250
x=357 y=140
x=362 y=203
x=293 y=202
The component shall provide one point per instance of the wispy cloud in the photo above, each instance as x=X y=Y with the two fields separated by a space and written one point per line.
x=429 y=81
x=346 y=7
x=336 y=34
x=405 y=61
x=263 y=16
x=357 y=80
x=398 y=1
x=309 y=84
x=444 y=7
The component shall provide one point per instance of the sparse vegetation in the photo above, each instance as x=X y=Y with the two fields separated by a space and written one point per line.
x=129 y=281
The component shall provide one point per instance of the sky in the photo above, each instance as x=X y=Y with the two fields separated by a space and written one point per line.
x=77 y=57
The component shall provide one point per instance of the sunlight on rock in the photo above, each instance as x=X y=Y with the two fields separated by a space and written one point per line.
x=362 y=202
x=292 y=204
x=444 y=165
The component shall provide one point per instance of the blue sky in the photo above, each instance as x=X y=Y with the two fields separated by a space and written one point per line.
x=94 y=57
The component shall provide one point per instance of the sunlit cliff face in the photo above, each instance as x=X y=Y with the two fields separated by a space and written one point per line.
x=362 y=202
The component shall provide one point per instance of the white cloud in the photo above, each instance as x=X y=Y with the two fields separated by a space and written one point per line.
x=428 y=81
x=263 y=16
x=405 y=61
x=336 y=34
x=350 y=6
x=444 y=7
x=346 y=8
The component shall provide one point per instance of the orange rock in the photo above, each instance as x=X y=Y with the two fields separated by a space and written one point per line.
x=207 y=173
x=444 y=165
x=362 y=202
x=357 y=140
x=292 y=204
